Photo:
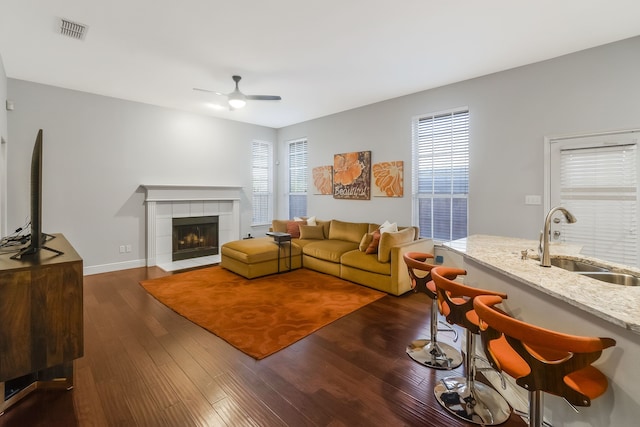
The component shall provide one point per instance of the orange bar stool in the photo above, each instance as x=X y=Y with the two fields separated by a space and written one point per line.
x=429 y=352
x=464 y=397
x=541 y=361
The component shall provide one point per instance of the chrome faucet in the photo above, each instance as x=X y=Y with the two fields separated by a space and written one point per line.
x=543 y=247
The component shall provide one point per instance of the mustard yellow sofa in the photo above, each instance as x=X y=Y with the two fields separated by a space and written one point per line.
x=340 y=248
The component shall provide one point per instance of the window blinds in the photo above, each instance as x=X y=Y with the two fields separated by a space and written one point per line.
x=441 y=163
x=599 y=186
x=261 y=176
x=298 y=178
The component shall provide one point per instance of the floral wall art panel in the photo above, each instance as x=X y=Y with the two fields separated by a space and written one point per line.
x=352 y=175
x=323 y=179
x=388 y=179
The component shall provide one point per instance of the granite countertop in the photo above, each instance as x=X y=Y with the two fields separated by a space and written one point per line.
x=617 y=304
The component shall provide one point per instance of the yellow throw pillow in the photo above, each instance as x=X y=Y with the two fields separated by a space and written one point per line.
x=389 y=240
x=365 y=242
x=313 y=232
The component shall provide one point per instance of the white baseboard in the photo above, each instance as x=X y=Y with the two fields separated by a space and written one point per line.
x=106 y=268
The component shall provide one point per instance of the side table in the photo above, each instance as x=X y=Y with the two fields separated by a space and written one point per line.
x=281 y=239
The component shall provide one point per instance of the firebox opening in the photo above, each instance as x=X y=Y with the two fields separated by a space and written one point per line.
x=194 y=237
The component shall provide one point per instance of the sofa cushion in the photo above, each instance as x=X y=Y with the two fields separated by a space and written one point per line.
x=363 y=261
x=349 y=231
x=301 y=243
x=279 y=225
x=325 y=227
x=328 y=250
x=314 y=232
x=416 y=231
x=388 y=240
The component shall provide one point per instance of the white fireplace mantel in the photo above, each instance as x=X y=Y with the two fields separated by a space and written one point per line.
x=171 y=193
x=164 y=202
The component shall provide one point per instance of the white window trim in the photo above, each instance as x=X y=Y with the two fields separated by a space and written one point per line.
x=269 y=193
x=288 y=154
x=415 y=167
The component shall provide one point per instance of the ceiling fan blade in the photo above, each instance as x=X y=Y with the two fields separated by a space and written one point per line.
x=209 y=91
x=264 y=97
x=237 y=99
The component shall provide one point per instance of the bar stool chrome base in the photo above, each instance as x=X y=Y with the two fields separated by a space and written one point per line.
x=478 y=404
x=434 y=354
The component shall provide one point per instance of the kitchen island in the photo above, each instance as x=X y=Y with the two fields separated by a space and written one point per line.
x=566 y=302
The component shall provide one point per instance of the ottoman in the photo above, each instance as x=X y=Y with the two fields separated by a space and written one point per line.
x=257 y=257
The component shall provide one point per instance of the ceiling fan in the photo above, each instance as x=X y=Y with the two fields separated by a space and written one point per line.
x=237 y=99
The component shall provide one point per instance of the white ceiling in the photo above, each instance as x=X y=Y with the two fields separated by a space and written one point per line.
x=322 y=57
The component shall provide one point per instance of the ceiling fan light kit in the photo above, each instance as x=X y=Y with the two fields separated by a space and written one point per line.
x=237 y=99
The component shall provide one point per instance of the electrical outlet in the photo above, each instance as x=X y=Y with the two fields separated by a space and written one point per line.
x=121 y=249
x=128 y=248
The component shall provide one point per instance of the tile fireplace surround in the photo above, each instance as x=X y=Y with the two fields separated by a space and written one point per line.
x=164 y=202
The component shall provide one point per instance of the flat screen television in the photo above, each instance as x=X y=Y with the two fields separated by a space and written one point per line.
x=38 y=238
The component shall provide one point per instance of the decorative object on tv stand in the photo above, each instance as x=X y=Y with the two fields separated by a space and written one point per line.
x=352 y=175
x=388 y=180
x=323 y=180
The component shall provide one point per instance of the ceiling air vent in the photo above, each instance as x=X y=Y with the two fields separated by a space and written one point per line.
x=72 y=29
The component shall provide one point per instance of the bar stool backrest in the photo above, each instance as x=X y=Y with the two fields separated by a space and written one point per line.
x=417 y=261
x=455 y=300
x=542 y=359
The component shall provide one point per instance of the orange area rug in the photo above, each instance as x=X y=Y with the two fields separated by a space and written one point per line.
x=264 y=315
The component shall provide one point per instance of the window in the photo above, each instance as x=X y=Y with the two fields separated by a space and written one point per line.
x=441 y=174
x=298 y=178
x=596 y=178
x=261 y=153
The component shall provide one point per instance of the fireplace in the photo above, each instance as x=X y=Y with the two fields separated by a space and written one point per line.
x=194 y=237
x=164 y=202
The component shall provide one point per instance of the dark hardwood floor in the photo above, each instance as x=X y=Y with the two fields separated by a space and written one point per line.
x=144 y=365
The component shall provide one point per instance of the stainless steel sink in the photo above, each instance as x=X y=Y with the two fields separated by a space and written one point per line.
x=575 y=265
x=595 y=272
x=615 y=278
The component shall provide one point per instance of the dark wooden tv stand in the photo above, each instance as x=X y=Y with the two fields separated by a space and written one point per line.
x=41 y=321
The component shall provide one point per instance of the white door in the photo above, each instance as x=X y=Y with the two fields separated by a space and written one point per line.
x=596 y=178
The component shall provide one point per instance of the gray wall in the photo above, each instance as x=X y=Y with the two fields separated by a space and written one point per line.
x=3 y=150
x=99 y=150
x=511 y=113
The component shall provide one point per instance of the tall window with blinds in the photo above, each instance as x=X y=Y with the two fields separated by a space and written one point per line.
x=599 y=185
x=261 y=153
x=298 y=178
x=441 y=174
